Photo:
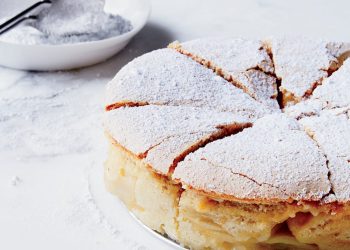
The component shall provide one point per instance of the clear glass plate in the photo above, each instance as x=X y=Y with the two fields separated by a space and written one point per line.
x=159 y=236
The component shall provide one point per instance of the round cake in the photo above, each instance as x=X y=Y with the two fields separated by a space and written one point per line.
x=230 y=143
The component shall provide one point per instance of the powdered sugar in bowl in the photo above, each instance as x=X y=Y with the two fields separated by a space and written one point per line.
x=61 y=55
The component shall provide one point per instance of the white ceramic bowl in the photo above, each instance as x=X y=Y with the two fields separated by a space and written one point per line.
x=69 y=56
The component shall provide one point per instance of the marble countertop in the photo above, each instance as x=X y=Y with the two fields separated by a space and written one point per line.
x=52 y=144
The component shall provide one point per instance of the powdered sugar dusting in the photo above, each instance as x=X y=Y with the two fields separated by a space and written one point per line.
x=172 y=129
x=261 y=87
x=242 y=61
x=332 y=133
x=335 y=90
x=68 y=21
x=186 y=103
x=162 y=156
x=301 y=63
x=234 y=55
x=202 y=175
x=334 y=93
x=166 y=77
x=297 y=169
x=304 y=108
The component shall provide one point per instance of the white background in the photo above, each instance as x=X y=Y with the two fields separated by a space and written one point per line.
x=52 y=145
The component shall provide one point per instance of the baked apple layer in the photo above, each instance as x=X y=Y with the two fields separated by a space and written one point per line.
x=202 y=221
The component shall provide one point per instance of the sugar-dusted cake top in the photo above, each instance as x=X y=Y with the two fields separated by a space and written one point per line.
x=244 y=62
x=234 y=55
x=333 y=94
x=165 y=77
x=331 y=131
x=159 y=134
x=274 y=159
x=303 y=63
x=208 y=114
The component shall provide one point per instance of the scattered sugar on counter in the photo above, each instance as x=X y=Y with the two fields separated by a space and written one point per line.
x=15 y=181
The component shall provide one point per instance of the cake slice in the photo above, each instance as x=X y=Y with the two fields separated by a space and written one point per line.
x=332 y=133
x=242 y=166
x=335 y=90
x=333 y=94
x=146 y=144
x=243 y=62
x=301 y=64
x=166 y=77
x=251 y=179
x=160 y=134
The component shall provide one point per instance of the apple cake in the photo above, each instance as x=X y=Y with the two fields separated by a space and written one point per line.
x=230 y=143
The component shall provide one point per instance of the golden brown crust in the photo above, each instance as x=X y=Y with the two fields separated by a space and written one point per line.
x=124 y=104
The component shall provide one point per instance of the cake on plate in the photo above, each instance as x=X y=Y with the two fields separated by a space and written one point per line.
x=230 y=143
